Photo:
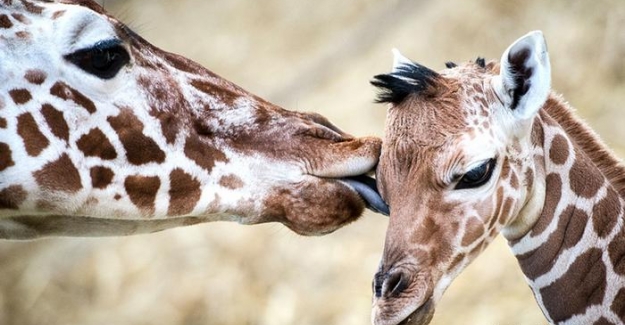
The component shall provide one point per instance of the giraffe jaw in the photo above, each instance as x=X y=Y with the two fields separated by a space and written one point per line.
x=421 y=316
x=368 y=191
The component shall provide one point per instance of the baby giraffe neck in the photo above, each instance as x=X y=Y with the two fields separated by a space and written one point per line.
x=574 y=255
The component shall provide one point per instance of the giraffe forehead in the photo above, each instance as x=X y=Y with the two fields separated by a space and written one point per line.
x=444 y=129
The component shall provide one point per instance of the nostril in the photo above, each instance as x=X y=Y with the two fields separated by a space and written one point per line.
x=378 y=280
x=394 y=284
x=323 y=123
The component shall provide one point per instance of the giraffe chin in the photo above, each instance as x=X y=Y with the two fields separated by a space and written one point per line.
x=421 y=316
x=368 y=191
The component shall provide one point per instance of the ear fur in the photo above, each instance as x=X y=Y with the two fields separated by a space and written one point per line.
x=525 y=75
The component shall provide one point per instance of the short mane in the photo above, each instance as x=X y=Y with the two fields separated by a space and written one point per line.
x=408 y=78
x=611 y=167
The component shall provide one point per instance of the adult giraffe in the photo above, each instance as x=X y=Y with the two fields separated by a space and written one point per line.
x=480 y=149
x=102 y=133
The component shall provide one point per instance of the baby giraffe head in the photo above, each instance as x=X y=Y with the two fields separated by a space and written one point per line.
x=457 y=168
x=102 y=133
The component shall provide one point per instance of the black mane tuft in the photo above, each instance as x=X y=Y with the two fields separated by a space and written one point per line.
x=450 y=65
x=481 y=62
x=408 y=78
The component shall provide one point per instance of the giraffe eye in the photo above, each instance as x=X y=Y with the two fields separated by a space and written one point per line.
x=477 y=176
x=103 y=60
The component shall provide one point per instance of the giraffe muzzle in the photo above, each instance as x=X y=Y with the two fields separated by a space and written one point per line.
x=402 y=296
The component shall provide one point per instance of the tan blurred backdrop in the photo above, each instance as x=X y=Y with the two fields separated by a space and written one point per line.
x=311 y=56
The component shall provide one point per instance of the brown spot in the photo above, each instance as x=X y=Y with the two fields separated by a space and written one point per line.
x=96 y=144
x=140 y=149
x=34 y=140
x=184 y=193
x=22 y=34
x=142 y=191
x=169 y=124
x=506 y=211
x=571 y=225
x=538 y=135
x=559 y=151
x=499 y=202
x=603 y=321
x=529 y=179
x=616 y=251
x=20 y=96
x=35 y=76
x=474 y=230
x=605 y=213
x=618 y=304
x=32 y=8
x=58 y=14
x=5 y=22
x=225 y=95
x=203 y=153
x=55 y=121
x=63 y=91
x=231 y=181
x=101 y=176
x=3 y=123
x=429 y=232
x=21 y=18
x=5 y=157
x=117 y=197
x=553 y=188
x=514 y=180
x=584 y=177
x=583 y=285
x=12 y=196
x=59 y=175
x=505 y=169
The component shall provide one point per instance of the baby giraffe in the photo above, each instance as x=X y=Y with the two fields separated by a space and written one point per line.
x=101 y=133
x=483 y=148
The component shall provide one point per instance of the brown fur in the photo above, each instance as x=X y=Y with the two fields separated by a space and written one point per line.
x=55 y=121
x=140 y=149
x=34 y=140
x=59 y=175
x=96 y=144
x=64 y=91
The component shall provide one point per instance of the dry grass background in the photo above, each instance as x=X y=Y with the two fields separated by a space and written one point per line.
x=311 y=56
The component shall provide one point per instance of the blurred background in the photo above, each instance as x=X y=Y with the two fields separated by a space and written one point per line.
x=311 y=56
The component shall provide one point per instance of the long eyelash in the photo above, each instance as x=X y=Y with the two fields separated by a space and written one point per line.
x=106 y=44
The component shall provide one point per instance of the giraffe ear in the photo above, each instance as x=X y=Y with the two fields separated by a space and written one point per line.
x=525 y=75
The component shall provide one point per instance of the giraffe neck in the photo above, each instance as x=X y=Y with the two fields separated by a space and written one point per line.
x=574 y=254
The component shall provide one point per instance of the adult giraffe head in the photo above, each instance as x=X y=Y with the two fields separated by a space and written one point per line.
x=481 y=149
x=102 y=133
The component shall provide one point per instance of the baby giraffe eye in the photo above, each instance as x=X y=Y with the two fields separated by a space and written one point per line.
x=477 y=176
x=103 y=60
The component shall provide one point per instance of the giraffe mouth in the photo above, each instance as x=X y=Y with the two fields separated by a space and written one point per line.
x=368 y=191
x=421 y=316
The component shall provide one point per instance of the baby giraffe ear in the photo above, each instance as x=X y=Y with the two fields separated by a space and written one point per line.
x=525 y=75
